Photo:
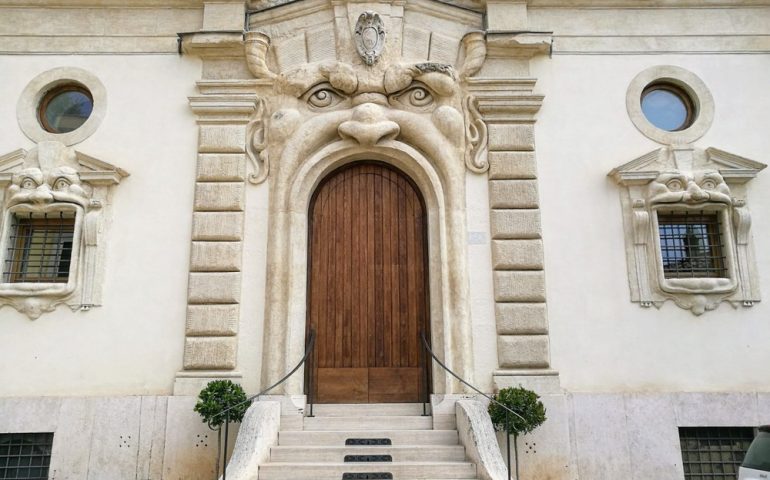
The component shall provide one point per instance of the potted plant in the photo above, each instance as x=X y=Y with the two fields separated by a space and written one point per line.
x=219 y=401
x=530 y=414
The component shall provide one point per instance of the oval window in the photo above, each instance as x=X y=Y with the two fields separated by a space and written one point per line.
x=668 y=107
x=65 y=108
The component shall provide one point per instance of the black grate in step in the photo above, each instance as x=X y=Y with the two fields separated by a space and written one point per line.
x=368 y=458
x=368 y=441
x=368 y=476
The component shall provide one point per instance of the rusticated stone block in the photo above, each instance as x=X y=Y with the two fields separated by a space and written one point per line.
x=215 y=257
x=517 y=254
x=523 y=351
x=219 y=196
x=214 y=288
x=225 y=226
x=515 y=224
x=513 y=194
x=521 y=318
x=506 y=136
x=210 y=353
x=212 y=320
x=521 y=286
x=222 y=139
x=512 y=165
x=227 y=167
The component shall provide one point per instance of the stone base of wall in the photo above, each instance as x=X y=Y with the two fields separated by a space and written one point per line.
x=587 y=435
x=129 y=437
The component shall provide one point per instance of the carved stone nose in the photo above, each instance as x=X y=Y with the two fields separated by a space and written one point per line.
x=368 y=126
x=41 y=196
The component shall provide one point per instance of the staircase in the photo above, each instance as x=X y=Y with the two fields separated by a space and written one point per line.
x=370 y=441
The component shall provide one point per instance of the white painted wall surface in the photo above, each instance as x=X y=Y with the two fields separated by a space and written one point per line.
x=600 y=341
x=133 y=343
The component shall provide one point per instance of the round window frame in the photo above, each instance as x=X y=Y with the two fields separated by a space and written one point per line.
x=28 y=108
x=691 y=113
x=689 y=85
x=51 y=94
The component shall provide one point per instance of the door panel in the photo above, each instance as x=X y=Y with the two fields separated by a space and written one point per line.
x=367 y=284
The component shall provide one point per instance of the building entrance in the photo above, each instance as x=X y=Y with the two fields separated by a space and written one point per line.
x=367 y=292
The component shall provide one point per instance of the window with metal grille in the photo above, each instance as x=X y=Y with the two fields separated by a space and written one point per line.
x=25 y=455
x=691 y=244
x=39 y=248
x=713 y=453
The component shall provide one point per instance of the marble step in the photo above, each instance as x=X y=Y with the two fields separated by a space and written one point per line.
x=367 y=409
x=334 y=471
x=397 y=437
x=410 y=453
x=389 y=422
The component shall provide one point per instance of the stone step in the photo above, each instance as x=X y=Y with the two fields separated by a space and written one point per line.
x=397 y=437
x=334 y=471
x=367 y=409
x=411 y=453
x=390 y=422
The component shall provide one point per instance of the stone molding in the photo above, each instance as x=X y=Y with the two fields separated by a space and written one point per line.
x=51 y=178
x=686 y=178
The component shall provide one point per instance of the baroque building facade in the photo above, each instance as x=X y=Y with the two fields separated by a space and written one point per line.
x=499 y=176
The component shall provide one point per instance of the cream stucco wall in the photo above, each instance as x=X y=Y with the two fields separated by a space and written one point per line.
x=133 y=343
x=600 y=340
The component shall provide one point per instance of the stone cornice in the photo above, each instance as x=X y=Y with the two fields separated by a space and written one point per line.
x=518 y=44
x=212 y=44
x=504 y=100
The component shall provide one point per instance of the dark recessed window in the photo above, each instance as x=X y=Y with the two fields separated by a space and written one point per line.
x=691 y=244
x=39 y=248
x=25 y=455
x=713 y=453
x=65 y=108
x=668 y=107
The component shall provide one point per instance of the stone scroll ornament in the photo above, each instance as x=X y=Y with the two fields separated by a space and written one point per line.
x=256 y=147
x=370 y=37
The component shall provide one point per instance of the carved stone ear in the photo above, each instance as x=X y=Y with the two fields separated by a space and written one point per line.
x=256 y=144
x=476 y=158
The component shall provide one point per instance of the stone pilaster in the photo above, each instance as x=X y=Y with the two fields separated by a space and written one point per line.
x=225 y=103
x=508 y=104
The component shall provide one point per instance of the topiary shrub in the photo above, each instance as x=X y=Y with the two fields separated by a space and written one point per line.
x=522 y=401
x=531 y=414
x=218 y=396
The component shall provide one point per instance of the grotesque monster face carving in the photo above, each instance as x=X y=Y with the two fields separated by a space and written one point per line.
x=676 y=187
x=318 y=104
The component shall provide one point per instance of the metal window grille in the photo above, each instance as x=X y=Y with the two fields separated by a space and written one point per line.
x=39 y=248
x=713 y=453
x=691 y=245
x=25 y=455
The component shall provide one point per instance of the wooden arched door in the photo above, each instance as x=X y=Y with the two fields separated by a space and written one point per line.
x=367 y=288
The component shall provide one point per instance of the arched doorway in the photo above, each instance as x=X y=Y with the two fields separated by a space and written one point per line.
x=367 y=285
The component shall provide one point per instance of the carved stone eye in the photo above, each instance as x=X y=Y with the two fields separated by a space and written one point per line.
x=417 y=96
x=708 y=184
x=675 y=185
x=323 y=96
x=61 y=184
x=28 y=184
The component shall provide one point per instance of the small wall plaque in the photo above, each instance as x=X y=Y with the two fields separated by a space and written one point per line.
x=370 y=37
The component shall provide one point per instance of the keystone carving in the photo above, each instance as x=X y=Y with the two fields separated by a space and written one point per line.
x=370 y=37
